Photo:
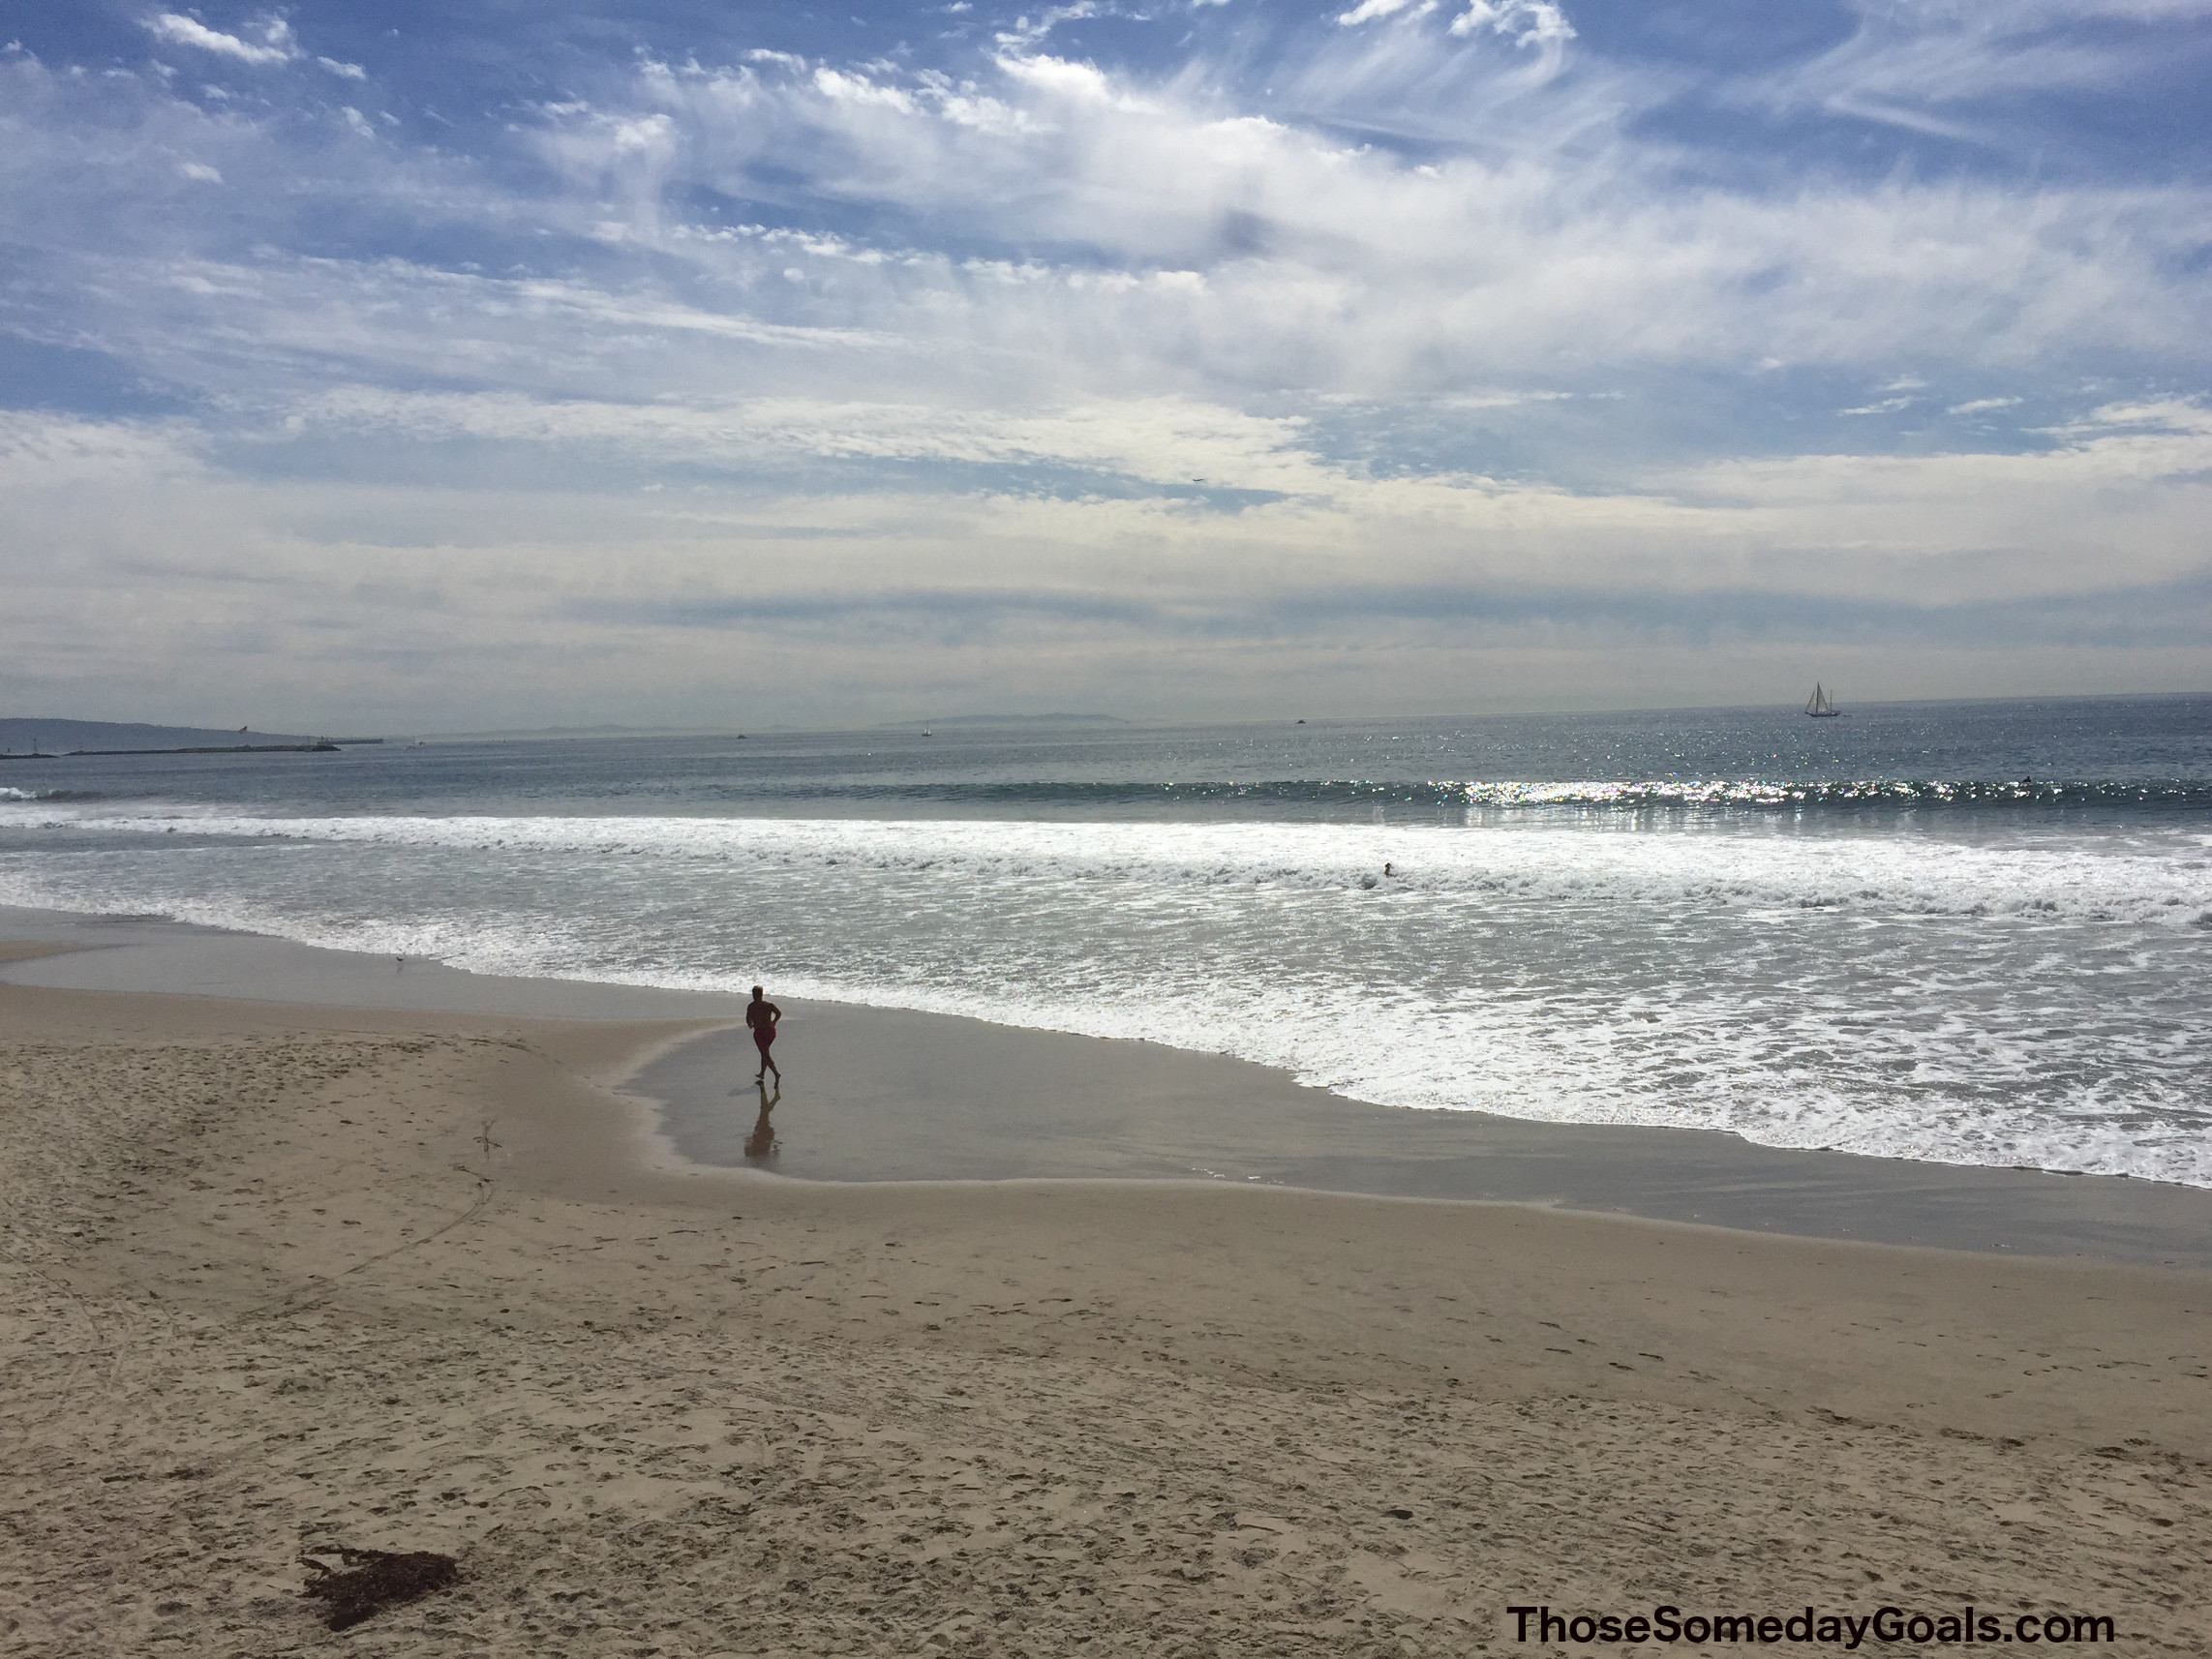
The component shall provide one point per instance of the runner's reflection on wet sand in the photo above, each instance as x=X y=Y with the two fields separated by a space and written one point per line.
x=759 y=1145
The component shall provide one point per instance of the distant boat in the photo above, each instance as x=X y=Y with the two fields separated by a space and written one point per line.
x=1819 y=707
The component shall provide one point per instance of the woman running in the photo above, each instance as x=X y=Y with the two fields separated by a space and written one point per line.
x=762 y=1015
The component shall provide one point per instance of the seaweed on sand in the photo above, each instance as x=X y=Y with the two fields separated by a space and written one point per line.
x=373 y=1579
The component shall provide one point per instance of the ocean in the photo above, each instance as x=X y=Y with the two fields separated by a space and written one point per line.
x=1961 y=932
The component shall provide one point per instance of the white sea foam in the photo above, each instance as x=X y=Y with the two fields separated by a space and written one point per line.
x=1975 y=999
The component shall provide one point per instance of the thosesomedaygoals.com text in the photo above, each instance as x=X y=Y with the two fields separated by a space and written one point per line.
x=1847 y=1631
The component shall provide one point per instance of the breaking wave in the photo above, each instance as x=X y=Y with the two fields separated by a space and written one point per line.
x=2022 y=996
x=2065 y=879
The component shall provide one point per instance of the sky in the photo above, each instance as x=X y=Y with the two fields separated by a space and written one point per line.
x=417 y=366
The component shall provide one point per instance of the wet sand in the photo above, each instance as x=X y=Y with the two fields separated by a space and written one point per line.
x=882 y=1095
x=887 y=1095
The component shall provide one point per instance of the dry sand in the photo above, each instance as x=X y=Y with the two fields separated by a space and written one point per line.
x=285 y=1276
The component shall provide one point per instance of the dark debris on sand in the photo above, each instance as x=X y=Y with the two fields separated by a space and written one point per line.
x=373 y=1579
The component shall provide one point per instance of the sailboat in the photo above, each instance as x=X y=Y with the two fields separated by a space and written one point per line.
x=1819 y=707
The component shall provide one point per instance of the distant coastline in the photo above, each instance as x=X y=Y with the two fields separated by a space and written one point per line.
x=26 y=738
x=315 y=748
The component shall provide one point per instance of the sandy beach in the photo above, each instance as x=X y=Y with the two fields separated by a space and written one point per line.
x=1471 y=745
x=289 y=1275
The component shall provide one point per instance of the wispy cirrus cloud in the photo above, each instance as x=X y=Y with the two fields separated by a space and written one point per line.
x=1971 y=69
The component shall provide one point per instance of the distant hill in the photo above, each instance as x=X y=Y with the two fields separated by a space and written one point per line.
x=60 y=737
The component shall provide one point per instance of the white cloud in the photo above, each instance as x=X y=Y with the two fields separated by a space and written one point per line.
x=1983 y=405
x=1029 y=29
x=1529 y=22
x=358 y=121
x=2188 y=415
x=1369 y=272
x=1160 y=442
x=2118 y=503
x=277 y=45
x=1074 y=83
x=202 y=171
x=348 y=71
x=859 y=89
x=47 y=451
x=1164 y=245
x=1366 y=11
x=534 y=578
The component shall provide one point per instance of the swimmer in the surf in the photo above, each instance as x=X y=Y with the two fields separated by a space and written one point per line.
x=762 y=1015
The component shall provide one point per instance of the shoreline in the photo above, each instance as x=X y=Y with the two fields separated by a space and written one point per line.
x=287 y=1275
x=889 y=1095
x=567 y=1134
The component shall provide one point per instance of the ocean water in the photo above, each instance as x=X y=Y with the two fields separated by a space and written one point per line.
x=1975 y=933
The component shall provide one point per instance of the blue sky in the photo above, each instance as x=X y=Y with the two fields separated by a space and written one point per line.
x=782 y=364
